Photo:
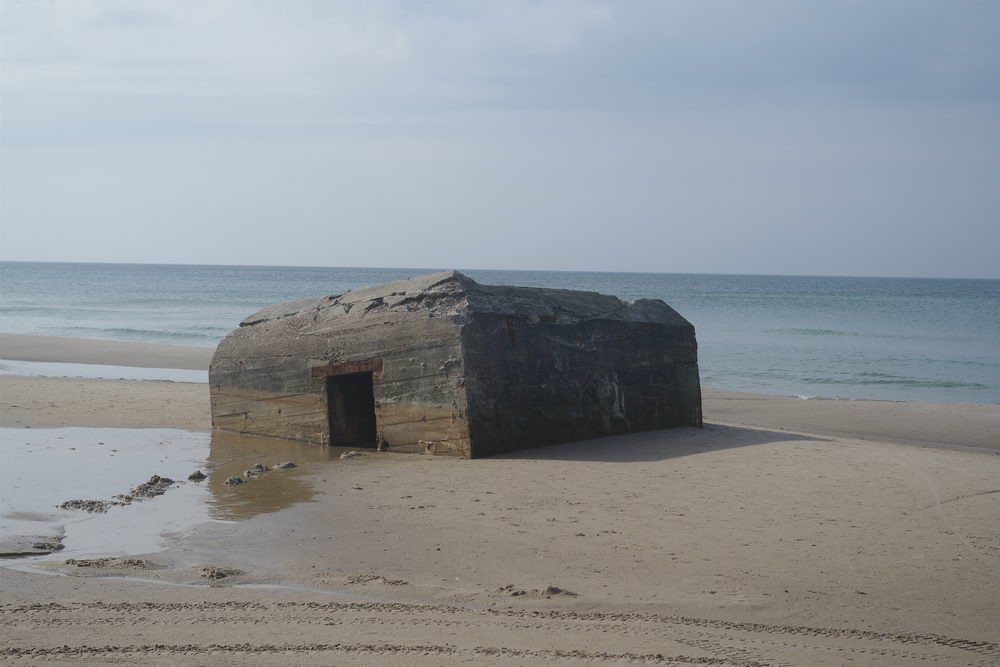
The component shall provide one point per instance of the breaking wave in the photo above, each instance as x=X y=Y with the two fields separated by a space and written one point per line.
x=872 y=378
x=190 y=337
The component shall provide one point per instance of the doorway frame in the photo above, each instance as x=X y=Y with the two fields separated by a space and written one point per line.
x=373 y=366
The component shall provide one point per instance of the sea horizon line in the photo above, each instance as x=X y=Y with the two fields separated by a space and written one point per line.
x=434 y=269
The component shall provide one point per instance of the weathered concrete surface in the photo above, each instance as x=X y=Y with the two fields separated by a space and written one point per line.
x=460 y=368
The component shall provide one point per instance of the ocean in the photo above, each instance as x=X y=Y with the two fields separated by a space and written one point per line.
x=898 y=339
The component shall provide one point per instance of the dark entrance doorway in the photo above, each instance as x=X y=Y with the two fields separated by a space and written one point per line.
x=351 y=401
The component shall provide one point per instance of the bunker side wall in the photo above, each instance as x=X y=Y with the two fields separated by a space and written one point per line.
x=262 y=379
x=531 y=384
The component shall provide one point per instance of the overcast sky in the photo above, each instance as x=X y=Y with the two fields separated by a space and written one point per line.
x=789 y=137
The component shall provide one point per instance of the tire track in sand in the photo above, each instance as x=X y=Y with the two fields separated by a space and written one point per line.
x=99 y=625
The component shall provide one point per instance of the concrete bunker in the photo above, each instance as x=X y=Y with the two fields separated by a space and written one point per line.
x=442 y=364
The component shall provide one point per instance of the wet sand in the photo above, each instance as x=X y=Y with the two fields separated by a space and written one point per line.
x=20 y=347
x=769 y=537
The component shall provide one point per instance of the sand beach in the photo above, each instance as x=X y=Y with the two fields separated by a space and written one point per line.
x=785 y=532
x=539 y=333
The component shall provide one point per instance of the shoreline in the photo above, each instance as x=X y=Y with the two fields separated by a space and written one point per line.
x=135 y=403
x=61 y=349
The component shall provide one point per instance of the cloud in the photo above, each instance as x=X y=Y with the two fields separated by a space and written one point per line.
x=526 y=52
x=522 y=133
x=115 y=16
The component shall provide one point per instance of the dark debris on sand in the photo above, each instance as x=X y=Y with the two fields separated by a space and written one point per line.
x=85 y=505
x=115 y=563
x=156 y=486
x=220 y=572
x=547 y=592
x=258 y=470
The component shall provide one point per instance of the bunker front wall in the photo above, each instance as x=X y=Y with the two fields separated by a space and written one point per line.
x=532 y=384
x=270 y=378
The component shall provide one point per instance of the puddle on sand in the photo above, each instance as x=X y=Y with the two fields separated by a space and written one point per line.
x=42 y=468
x=233 y=454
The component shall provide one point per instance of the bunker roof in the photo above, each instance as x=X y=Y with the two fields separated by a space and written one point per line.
x=452 y=293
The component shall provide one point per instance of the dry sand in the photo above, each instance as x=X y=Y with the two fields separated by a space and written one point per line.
x=53 y=402
x=961 y=424
x=786 y=532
